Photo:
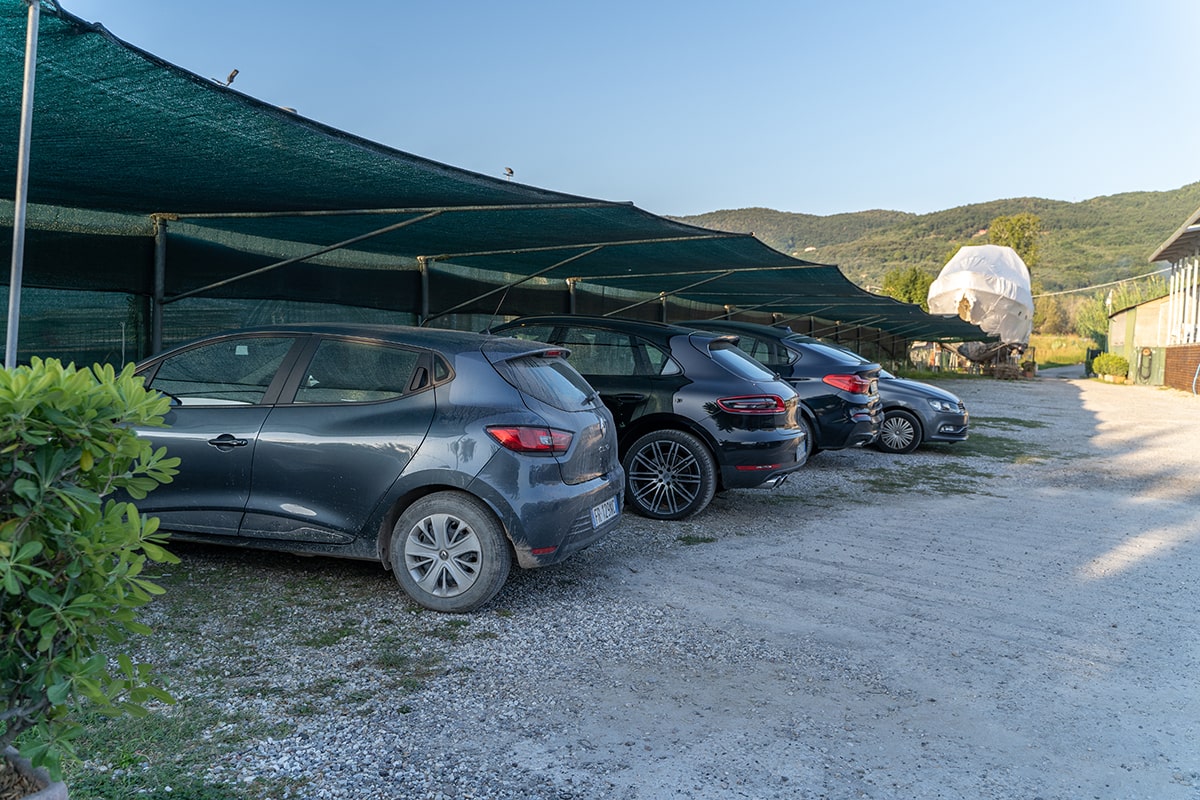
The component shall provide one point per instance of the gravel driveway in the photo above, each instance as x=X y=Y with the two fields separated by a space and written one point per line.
x=1014 y=617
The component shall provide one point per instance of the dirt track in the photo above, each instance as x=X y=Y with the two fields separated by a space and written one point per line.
x=1007 y=619
x=941 y=625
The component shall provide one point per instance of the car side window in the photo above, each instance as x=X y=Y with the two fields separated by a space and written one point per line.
x=766 y=351
x=653 y=360
x=228 y=372
x=532 y=333
x=599 y=352
x=754 y=347
x=356 y=372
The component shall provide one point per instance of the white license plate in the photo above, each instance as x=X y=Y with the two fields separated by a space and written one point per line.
x=604 y=512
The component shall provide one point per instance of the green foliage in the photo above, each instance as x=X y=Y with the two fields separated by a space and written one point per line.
x=1086 y=243
x=1110 y=364
x=1060 y=351
x=71 y=557
x=1131 y=293
x=909 y=285
x=1050 y=316
x=1021 y=232
x=1091 y=319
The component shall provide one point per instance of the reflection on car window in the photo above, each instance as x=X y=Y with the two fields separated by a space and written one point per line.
x=356 y=372
x=597 y=352
x=230 y=371
x=550 y=380
x=768 y=352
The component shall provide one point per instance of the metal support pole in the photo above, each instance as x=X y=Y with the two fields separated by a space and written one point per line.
x=423 y=271
x=571 y=295
x=22 y=192
x=662 y=298
x=160 y=286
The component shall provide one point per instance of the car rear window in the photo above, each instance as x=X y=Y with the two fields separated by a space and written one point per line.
x=548 y=378
x=835 y=354
x=737 y=362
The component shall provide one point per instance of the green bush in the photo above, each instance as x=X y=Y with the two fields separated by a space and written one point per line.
x=1110 y=364
x=71 y=555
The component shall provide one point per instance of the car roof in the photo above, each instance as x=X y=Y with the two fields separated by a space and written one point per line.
x=734 y=326
x=647 y=328
x=433 y=338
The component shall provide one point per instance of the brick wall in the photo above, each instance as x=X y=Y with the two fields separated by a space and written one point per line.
x=1181 y=366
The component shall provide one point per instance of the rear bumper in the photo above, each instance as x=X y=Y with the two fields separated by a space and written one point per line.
x=859 y=430
x=764 y=459
x=548 y=521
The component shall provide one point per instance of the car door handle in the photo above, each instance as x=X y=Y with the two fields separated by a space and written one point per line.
x=226 y=442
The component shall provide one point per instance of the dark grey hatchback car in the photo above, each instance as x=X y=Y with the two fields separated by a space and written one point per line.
x=441 y=454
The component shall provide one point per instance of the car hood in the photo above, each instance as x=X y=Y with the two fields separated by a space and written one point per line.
x=916 y=389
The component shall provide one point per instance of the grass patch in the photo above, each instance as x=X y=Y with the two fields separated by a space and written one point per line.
x=1004 y=448
x=689 y=539
x=230 y=624
x=927 y=478
x=130 y=756
x=330 y=636
x=1008 y=423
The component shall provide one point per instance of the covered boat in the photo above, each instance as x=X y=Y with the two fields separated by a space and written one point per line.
x=987 y=285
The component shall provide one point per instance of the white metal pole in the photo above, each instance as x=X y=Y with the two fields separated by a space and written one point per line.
x=20 y=198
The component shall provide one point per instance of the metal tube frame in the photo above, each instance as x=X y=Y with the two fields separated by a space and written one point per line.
x=21 y=198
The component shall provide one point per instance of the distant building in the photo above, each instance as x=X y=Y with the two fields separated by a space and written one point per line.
x=1181 y=315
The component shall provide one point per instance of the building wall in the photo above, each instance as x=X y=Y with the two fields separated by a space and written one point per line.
x=1183 y=315
x=1182 y=361
x=1143 y=325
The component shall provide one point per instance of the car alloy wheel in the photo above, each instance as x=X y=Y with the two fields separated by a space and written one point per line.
x=899 y=433
x=669 y=474
x=449 y=553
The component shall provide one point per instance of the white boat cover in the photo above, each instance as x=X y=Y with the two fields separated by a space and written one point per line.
x=987 y=285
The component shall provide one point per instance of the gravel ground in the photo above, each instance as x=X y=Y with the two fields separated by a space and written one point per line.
x=1010 y=618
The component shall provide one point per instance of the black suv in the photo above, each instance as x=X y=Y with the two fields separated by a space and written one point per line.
x=693 y=412
x=839 y=391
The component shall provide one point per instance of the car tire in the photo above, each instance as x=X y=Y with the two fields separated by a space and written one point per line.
x=449 y=552
x=669 y=474
x=900 y=432
x=810 y=438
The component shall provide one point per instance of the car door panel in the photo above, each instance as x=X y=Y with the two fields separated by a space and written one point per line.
x=323 y=460
x=221 y=394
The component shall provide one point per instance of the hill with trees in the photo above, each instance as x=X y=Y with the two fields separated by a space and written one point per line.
x=1081 y=244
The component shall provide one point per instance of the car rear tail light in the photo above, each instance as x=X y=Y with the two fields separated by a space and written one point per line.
x=849 y=383
x=526 y=439
x=752 y=404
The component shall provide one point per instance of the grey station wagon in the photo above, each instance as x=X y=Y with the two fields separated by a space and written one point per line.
x=443 y=455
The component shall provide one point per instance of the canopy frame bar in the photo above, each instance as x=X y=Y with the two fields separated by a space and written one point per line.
x=362 y=212
x=329 y=249
x=663 y=295
x=504 y=288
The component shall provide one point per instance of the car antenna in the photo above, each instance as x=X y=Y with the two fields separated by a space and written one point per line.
x=496 y=313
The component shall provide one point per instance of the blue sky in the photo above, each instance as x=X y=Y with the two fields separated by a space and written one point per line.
x=687 y=107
